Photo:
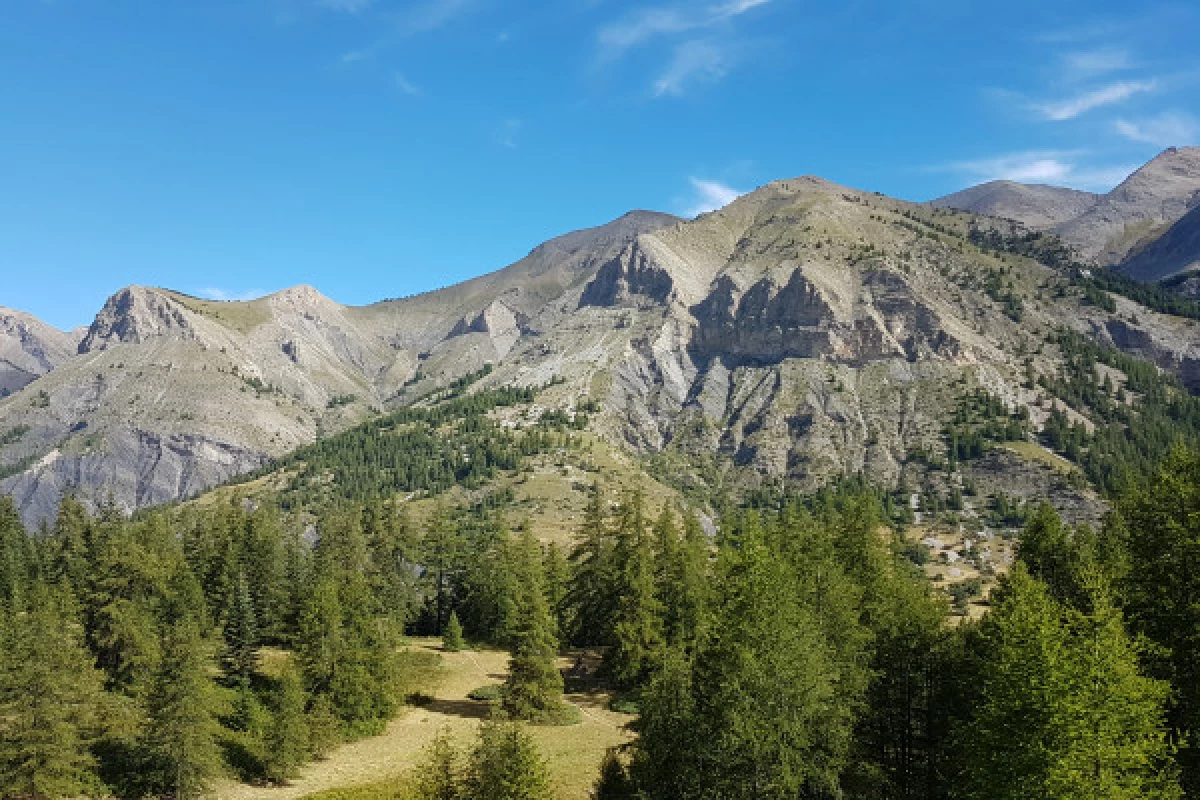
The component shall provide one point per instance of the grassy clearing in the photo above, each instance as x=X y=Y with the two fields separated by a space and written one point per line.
x=1032 y=451
x=378 y=768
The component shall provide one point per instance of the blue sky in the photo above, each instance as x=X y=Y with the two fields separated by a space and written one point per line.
x=376 y=148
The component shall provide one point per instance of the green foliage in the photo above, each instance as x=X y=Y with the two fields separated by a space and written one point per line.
x=440 y=776
x=414 y=449
x=452 y=639
x=982 y=418
x=1063 y=710
x=488 y=693
x=1160 y=520
x=287 y=741
x=533 y=689
x=181 y=740
x=506 y=765
x=51 y=703
x=1129 y=439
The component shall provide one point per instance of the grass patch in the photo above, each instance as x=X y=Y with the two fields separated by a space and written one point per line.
x=384 y=790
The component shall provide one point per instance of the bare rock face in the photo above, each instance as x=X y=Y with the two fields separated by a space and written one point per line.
x=630 y=275
x=29 y=348
x=498 y=322
x=1138 y=210
x=136 y=315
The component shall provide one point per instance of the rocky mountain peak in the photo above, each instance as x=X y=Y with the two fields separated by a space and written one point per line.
x=29 y=348
x=135 y=315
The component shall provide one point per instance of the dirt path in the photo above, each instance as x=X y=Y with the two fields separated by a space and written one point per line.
x=573 y=752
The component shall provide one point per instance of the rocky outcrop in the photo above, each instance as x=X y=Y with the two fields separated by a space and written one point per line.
x=498 y=322
x=632 y=278
x=29 y=348
x=136 y=315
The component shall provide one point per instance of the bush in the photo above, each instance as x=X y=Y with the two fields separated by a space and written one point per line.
x=486 y=694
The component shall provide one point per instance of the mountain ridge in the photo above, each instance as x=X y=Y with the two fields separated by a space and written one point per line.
x=804 y=331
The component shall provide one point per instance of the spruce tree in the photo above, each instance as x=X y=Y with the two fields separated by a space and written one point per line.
x=637 y=621
x=287 y=741
x=757 y=712
x=16 y=556
x=441 y=775
x=182 y=734
x=1160 y=521
x=51 y=702
x=240 y=655
x=533 y=689
x=591 y=594
x=452 y=639
x=557 y=581
x=506 y=765
x=1115 y=742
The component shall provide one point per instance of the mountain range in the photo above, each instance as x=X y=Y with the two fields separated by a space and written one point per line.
x=805 y=331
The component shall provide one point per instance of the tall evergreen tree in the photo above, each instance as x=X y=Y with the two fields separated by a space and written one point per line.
x=591 y=595
x=441 y=776
x=182 y=734
x=16 y=556
x=241 y=634
x=637 y=637
x=1160 y=521
x=51 y=704
x=533 y=689
x=506 y=765
x=287 y=741
x=1063 y=711
x=757 y=714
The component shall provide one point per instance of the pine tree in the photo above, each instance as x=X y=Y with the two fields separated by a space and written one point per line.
x=287 y=740
x=637 y=620
x=614 y=782
x=1160 y=520
x=16 y=556
x=557 y=581
x=591 y=594
x=51 y=702
x=757 y=712
x=441 y=775
x=441 y=549
x=1114 y=729
x=506 y=765
x=181 y=738
x=452 y=639
x=1063 y=712
x=533 y=689
x=240 y=656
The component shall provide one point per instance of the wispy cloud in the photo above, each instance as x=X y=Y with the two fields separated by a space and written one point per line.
x=431 y=15
x=404 y=85
x=692 y=61
x=1056 y=167
x=414 y=20
x=227 y=296
x=1099 y=61
x=1164 y=130
x=709 y=196
x=1096 y=98
x=732 y=9
x=703 y=47
x=351 y=6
